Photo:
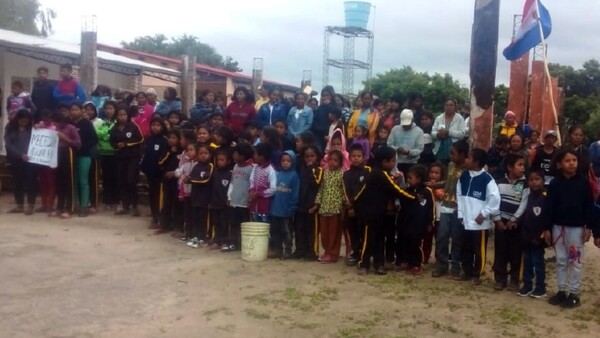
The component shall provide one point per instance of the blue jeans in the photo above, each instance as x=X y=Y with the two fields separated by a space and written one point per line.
x=534 y=265
x=449 y=230
x=260 y=218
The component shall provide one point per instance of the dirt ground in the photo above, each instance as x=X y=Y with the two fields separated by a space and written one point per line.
x=105 y=276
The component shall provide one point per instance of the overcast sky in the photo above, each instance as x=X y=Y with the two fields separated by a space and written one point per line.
x=428 y=35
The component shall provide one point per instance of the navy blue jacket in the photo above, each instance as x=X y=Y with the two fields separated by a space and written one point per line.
x=265 y=117
x=285 y=201
x=156 y=147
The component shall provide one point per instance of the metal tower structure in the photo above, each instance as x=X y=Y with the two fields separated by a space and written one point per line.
x=347 y=63
x=257 y=74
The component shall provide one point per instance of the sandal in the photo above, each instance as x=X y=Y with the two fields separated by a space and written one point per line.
x=52 y=214
x=64 y=215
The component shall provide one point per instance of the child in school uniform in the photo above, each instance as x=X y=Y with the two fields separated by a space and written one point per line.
x=171 y=214
x=68 y=143
x=203 y=134
x=263 y=184
x=238 y=195
x=306 y=227
x=507 y=237
x=219 y=221
x=187 y=162
x=288 y=142
x=413 y=221
x=567 y=218
x=108 y=165
x=127 y=138
x=90 y=112
x=47 y=175
x=478 y=200
x=200 y=178
x=283 y=207
x=155 y=149
x=329 y=203
x=371 y=202
x=436 y=183
x=529 y=221
x=353 y=182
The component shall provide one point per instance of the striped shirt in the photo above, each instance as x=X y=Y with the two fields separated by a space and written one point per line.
x=510 y=196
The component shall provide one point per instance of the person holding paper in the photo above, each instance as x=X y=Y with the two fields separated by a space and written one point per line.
x=16 y=140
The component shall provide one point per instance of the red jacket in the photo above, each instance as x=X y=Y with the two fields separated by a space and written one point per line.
x=237 y=115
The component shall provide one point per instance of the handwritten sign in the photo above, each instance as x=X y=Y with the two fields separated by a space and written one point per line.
x=43 y=147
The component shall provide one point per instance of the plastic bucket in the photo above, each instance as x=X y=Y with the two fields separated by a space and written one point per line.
x=255 y=241
x=357 y=13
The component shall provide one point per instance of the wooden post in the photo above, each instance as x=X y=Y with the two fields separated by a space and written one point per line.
x=484 y=54
x=188 y=83
x=538 y=84
x=517 y=93
x=88 y=60
x=548 y=112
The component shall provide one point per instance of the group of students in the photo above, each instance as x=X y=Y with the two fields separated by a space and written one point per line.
x=387 y=185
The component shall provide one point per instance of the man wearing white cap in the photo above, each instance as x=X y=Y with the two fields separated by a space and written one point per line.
x=407 y=139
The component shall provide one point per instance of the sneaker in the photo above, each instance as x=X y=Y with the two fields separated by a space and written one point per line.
x=525 y=291
x=362 y=272
x=53 y=213
x=18 y=210
x=184 y=239
x=298 y=255
x=476 y=280
x=402 y=267
x=538 y=293
x=416 y=271
x=64 y=215
x=29 y=210
x=381 y=271
x=202 y=243
x=513 y=286
x=83 y=212
x=571 y=302
x=558 y=299
x=439 y=272
x=350 y=261
x=193 y=243
x=499 y=286
x=135 y=212
x=287 y=254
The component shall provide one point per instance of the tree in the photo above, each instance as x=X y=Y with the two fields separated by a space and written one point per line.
x=582 y=95
x=500 y=102
x=26 y=16
x=405 y=81
x=184 y=44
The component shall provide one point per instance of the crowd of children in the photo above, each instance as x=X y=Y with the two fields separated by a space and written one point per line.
x=388 y=183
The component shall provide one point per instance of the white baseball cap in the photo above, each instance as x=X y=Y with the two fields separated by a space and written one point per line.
x=406 y=117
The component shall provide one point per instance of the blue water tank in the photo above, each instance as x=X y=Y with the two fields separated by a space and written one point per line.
x=357 y=13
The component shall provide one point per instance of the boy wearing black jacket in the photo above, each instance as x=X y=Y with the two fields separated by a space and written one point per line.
x=306 y=227
x=171 y=214
x=371 y=204
x=354 y=179
x=218 y=200
x=200 y=178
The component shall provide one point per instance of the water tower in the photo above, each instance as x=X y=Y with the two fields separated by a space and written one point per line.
x=357 y=17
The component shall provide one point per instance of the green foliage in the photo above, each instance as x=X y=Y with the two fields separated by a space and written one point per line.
x=26 y=16
x=178 y=46
x=582 y=95
x=500 y=102
x=405 y=81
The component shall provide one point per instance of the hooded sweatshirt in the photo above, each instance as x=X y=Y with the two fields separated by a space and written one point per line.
x=477 y=193
x=103 y=132
x=237 y=115
x=345 y=155
x=411 y=140
x=16 y=103
x=68 y=91
x=285 y=201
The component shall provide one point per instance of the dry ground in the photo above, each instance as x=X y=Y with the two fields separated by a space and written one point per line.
x=105 y=276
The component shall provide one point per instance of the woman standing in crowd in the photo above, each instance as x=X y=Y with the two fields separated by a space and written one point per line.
x=145 y=112
x=448 y=128
x=366 y=115
x=391 y=117
x=240 y=111
x=169 y=103
x=320 y=127
x=575 y=143
x=300 y=118
x=275 y=109
x=204 y=107
x=344 y=105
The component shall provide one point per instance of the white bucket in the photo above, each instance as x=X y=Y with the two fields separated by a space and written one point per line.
x=255 y=241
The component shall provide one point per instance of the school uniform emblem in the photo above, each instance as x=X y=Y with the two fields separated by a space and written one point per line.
x=128 y=134
x=537 y=211
x=156 y=147
x=202 y=174
x=422 y=201
x=361 y=178
x=225 y=182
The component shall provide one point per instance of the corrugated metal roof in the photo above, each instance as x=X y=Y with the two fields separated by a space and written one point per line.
x=15 y=39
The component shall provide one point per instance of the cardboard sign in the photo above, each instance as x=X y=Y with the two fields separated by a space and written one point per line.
x=43 y=147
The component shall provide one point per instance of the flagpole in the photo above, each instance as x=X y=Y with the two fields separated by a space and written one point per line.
x=547 y=72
